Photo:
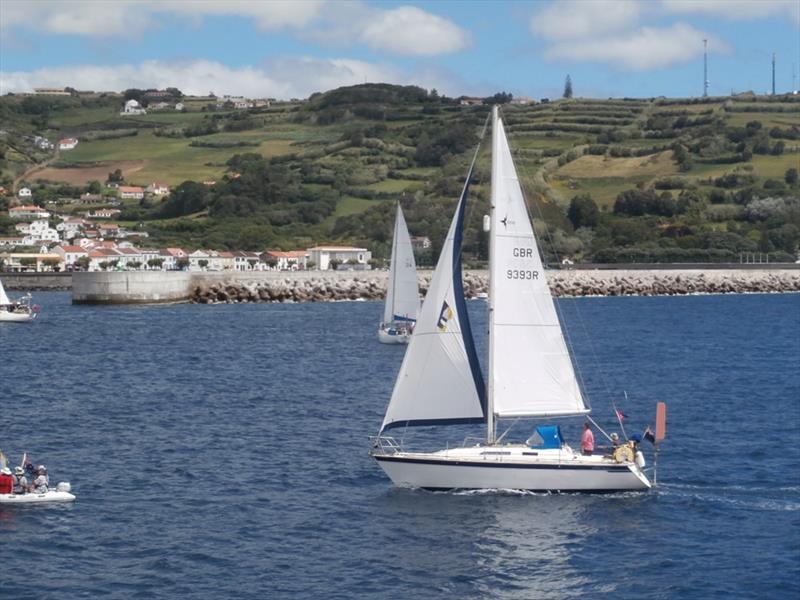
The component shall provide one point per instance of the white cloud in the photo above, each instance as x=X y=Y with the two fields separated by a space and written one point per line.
x=736 y=9
x=131 y=17
x=287 y=77
x=643 y=49
x=411 y=31
x=404 y=30
x=579 y=18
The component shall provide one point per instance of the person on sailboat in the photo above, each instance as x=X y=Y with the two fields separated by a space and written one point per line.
x=587 y=440
x=6 y=481
x=20 y=481
x=41 y=482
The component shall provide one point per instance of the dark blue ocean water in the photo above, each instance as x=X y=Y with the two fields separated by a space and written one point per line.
x=221 y=451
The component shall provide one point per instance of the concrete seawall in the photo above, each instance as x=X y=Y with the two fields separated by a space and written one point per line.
x=134 y=287
x=37 y=281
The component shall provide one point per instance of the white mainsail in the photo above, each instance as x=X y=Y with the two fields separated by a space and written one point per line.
x=4 y=299
x=530 y=370
x=440 y=379
x=402 y=294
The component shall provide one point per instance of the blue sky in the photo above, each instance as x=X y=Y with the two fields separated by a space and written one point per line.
x=292 y=48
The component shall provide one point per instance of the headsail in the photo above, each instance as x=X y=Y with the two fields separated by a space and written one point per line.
x=4 y=299
x=402 y=294
x=530 y=368
x=440 y=379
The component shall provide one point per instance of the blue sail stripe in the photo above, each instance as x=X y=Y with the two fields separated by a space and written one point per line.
x=461 y=305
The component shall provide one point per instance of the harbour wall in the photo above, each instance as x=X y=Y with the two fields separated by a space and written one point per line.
x=37 y=281
x=318 y=286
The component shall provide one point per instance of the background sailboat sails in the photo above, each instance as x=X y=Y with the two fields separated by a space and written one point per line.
x=440 y=379
x=402 y=294
x=530 y=370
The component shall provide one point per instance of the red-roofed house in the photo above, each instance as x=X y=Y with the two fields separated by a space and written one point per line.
x=67 y=144
x=292 y=260
x=28 y=212
x=130 y=191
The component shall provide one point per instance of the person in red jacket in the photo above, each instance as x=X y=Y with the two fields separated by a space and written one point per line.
x=6 y=481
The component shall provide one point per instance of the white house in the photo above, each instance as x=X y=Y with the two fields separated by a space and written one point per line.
x=157 y=189
x=179 y=106
x=28 y=212
x=67 y=144
x=245 y=260
x=288 y=261
x=24 y=192
x=132 y=107
x=70 y=254
x=40 y=231
x=322 y=256
x=71 y=227
x=103 y=213
x=10 y=242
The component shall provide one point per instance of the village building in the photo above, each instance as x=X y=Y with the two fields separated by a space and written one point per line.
x=132 y=107
x=322 y=256
x=22 y=262
x=467 y=101
x=420 y=243
x=130 y=192
x=28 y=212
x=10 y=242
x=88 y=198
x=48 y=91
x=67 y=144
x=157 y=189
x=180 y=106
x=292 y=260
x=103 y=213
x=24 y=192
x=71 y=227
x=37 y=232
x=70 y=255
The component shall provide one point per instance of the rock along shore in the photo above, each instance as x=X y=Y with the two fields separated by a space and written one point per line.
x=371 y=285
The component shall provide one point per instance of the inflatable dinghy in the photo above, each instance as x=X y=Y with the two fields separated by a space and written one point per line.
x=60 y=494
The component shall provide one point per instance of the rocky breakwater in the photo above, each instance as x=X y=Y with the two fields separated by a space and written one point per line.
x=372 y=285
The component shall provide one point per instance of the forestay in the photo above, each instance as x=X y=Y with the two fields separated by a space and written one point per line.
x=530 y=367
x=402 y=296
x=440 y=379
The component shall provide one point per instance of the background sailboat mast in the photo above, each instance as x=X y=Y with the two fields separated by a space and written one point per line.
x=490 y=424
x=393 y=265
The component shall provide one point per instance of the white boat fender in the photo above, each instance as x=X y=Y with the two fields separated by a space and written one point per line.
x=63 y=486
x=640 y=462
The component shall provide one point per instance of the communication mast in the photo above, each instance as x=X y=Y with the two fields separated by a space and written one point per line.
x=773 y=73
x=705 y=68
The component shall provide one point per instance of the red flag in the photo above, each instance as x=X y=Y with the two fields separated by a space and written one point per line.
x=620 y=415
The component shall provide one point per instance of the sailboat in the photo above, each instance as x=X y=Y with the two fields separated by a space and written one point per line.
x=402 y=291
x=530 y=372
x=16 y=311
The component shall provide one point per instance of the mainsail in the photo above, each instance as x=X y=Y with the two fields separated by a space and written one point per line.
x=402 y=295
x=440 y=379
x=4 y=299
x=530 y=370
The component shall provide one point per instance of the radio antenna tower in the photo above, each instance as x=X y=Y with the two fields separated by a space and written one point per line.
x=705 y=68
x=773 y=73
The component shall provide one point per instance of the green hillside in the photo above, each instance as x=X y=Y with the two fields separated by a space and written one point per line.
x=658 y=180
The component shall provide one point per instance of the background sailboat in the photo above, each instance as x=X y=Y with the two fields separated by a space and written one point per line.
x=402 y=291
x=530 y=373
x=16 y=311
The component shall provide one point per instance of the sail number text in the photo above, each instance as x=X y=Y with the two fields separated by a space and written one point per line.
x=521 y=274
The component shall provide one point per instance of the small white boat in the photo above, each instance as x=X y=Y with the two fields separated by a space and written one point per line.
x=60 y=494
x=402 y=291
x=530 y=371
x=16 y=311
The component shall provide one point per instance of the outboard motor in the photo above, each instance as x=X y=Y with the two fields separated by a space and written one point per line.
x=63 y=486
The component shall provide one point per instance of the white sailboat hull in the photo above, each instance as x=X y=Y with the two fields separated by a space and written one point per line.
x=386 y=336
x=515 y=468
x=16 y=317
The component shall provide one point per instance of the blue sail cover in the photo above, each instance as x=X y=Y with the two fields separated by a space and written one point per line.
x=551 y=437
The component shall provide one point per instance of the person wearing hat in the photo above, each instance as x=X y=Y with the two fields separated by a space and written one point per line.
x=20 y=481
x=41 y=482
x=6 y=481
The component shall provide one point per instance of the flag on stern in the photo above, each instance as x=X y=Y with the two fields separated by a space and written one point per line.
x=620 y=415
x=649 y=435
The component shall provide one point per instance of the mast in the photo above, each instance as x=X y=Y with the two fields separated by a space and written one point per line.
x=490 y=433
x=393 y=265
